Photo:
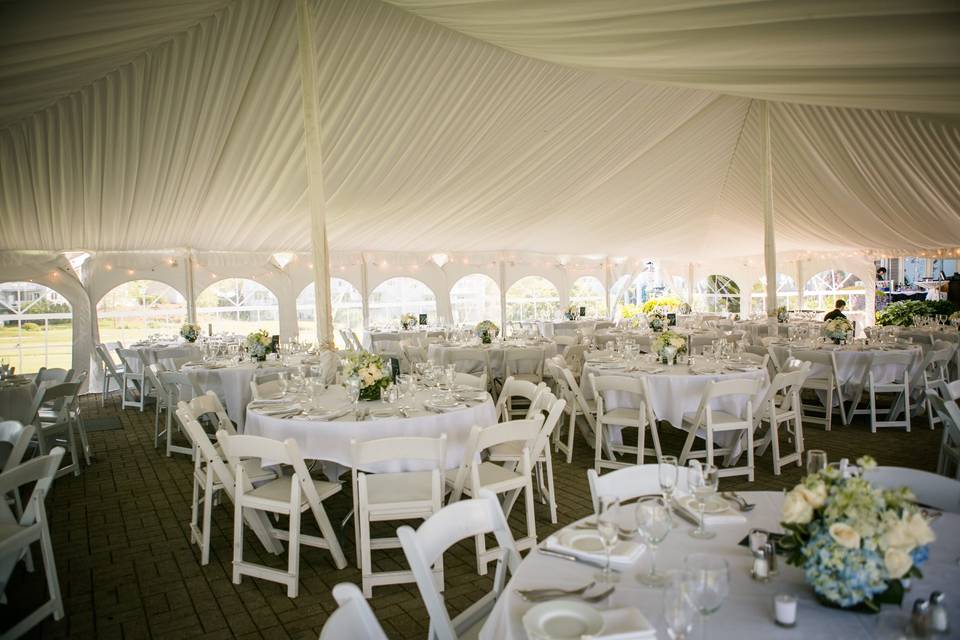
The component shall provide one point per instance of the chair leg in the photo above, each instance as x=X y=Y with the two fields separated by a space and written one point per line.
x=873 y=409
x=207 y=521
x=551 y=489
x=655 y=434
x=573 y=427
x=775 y=443
x=50 y=569
x=84 y=442
x=237 y=538
x=293 y=550
x=688 y=444
x=750 y=453
x=363 y=544
x=531 y=515
x=598 y=449
x=641 y=442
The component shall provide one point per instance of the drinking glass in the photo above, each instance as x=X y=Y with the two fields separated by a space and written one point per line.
x=668 y=472
x=653 y=523
x=283 y=383
x=709 y=580
x=703 y=480
x=679 y=611
x=816 y=461
x=353 y=392
x=607 y=527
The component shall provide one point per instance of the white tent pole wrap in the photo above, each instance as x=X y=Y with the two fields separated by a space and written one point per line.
x=191 y=288
x=315 y=190
x=769 y=242
x=690 y=284
x=800 y=283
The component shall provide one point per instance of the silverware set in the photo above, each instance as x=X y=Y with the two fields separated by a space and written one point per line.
x=738 y=500
x=542 y=595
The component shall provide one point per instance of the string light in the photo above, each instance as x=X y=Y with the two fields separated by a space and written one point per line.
x=108 y=267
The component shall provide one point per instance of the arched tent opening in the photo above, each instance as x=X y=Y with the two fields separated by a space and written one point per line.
x=588 y=292
x=717 y=294
x=138 y=309
x=397 y=296
x=532 y=298
x=346 y=306
x=787 y=294
x=823 y=290
x=36 y=327
x=238 y=306
x=474 y=298
x=651 y=284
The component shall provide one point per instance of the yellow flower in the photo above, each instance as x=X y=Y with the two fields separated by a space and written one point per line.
x=897 y=562
x=796 y=510
x=844 y=535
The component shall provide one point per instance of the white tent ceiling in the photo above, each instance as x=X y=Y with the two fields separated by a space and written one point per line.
x=608 y=127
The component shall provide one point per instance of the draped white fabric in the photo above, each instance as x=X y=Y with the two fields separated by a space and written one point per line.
x=133 y=125
x=901 y=55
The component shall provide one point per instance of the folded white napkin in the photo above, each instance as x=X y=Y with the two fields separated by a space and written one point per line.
x=624 y=555
x=729 y=516
x=624 y=624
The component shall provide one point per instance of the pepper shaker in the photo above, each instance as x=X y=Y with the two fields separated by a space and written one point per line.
x=771 y=552
x=938 y=613
x=920 y=619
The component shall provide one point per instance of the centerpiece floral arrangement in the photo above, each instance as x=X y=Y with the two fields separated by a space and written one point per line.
x=190 y=332
x=955 y=318
x=782 y=314
x=838 y=329
x=572 y=312
x=855 y=542
x=408 y=321
x=656 y=320
x=372 y=371
x=666 y=342
x=259 y=344
x=487 y=331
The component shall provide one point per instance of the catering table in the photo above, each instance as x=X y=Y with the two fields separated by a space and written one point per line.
x=747 y=612
x=436 y=352
x=156 y=352
x=231 y=383
x=925 y=336
x=329 y=441
x=16 y=399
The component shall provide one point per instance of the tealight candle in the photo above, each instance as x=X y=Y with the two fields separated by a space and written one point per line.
x=785 y=610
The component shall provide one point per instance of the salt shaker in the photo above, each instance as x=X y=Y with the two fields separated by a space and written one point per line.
x=761 y=566
x=938 y=613
x=920 y=620
x=771 y=552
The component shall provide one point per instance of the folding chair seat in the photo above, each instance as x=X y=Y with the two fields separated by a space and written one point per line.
x=638 y=414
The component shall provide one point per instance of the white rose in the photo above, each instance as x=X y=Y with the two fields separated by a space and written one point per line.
x=367 y=379
x=796 y=510
x=816 y=496
x=844 y=535
x=897 y=562
x=899 y=536
x=919 y=530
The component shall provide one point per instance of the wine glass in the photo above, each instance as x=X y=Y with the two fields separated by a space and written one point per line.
x=668 y=472
x=283 y=383
x=708 y=580
x=816 y=461
x=678 y=608
x=607 y=527
x=703 y=480
x=653 y=523
x=353 y=392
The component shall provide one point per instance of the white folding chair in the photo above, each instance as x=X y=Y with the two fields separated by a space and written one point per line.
x=290 y=495
x=886 y=361
x=353 y=619
x=413 y=353
x=823 y=378
x=780 y=405
x=564 y=342
x=355 y=340
x=176 y=386
x=425 y=546
x=475 y=475
x=134 y=379
x=551 y=408
x=930 y=489
x=57 y=424
x=629 y=483
x=211 y=473
x=400 y=495
x=111 y=372
x=574 y=356
x=470 y=380
x=523 y=363
x=14 y=440
x=638 y=416
x=473 y=361
x=267 y=390
x=949 y=415
x=52 y=376
x=713 y=421
x=698 y=343
x=18 y=533
x=513 y=388
x=577 y=404
x=931 y=374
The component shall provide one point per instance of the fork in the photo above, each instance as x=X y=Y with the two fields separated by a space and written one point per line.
x=603 y=595
x=741 y=503
x=547 y=591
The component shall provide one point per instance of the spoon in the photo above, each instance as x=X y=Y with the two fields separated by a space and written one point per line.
x=740 y=502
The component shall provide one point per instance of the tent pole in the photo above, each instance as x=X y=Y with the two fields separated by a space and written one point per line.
x=315 y=192
x=769 y=243
x=191 y=289
x=800 y=283
x=501 y=283
x=690 y=284
x=607 y=283
x=365 y=291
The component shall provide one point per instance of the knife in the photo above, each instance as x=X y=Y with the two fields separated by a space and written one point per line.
x=686 y=515
x=572 y=558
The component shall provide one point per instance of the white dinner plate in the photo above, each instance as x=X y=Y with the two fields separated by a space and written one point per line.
x=585 y=540
x=382 y=414
x=443 y=403
x=602 y=359
x=715 y=504
x=562 y=619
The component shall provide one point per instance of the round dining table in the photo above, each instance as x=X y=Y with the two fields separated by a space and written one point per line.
x=437 y=352
x=16 y=398
x=747 y=612
x=328 y=440
x=231 y=382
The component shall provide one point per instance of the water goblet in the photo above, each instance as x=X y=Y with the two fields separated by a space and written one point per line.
x=816 y=461
x=668 y=472
x=653 y=523
x=608 y=529
x=709 y=580
x=353 y=392
x=703 y=480
x=679 y=612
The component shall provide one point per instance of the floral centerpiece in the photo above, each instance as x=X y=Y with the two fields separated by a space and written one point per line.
x=838 y=329
x=782 y=315
x=572 y=312
x=486 y=331
x=408 y=321
x=668 y=345
x=190 y=332
x=372 y=371
x=656 y=320
x=855 y=542
x=955 y=318
x=259 y=344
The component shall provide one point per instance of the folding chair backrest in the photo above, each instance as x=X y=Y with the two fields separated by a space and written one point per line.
x=209 y=403
x=60 y=395
x=901 y=361
x=514 y=388
x=52 y=376
x=826 y=360
x=473 y=361
x=455 y=522
x=482 y=438
x=551 y=409
x=180 y=384
x=262 y=390
x=574 y=356
x=630 y=482
x=14 y=440
x=368 y=452
x=623 y=384
x=946 y=410
x=130 y=359
x=785 y=384
x=106 y=358
x=353 y=618
x=950 y=390
x=152 y=373
x=720 y=388
x=478 y=382
x=512 y=359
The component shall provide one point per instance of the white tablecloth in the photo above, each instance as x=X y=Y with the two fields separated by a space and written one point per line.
x=232 y=384
x=330 y=440
x=674 y=392
x=16 y=399
x=436 y=353
x=747 y=611
x=926 y=337
x=157 y=352
x=550 y=328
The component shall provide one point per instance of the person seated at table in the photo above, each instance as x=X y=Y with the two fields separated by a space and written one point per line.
x=837 y=311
